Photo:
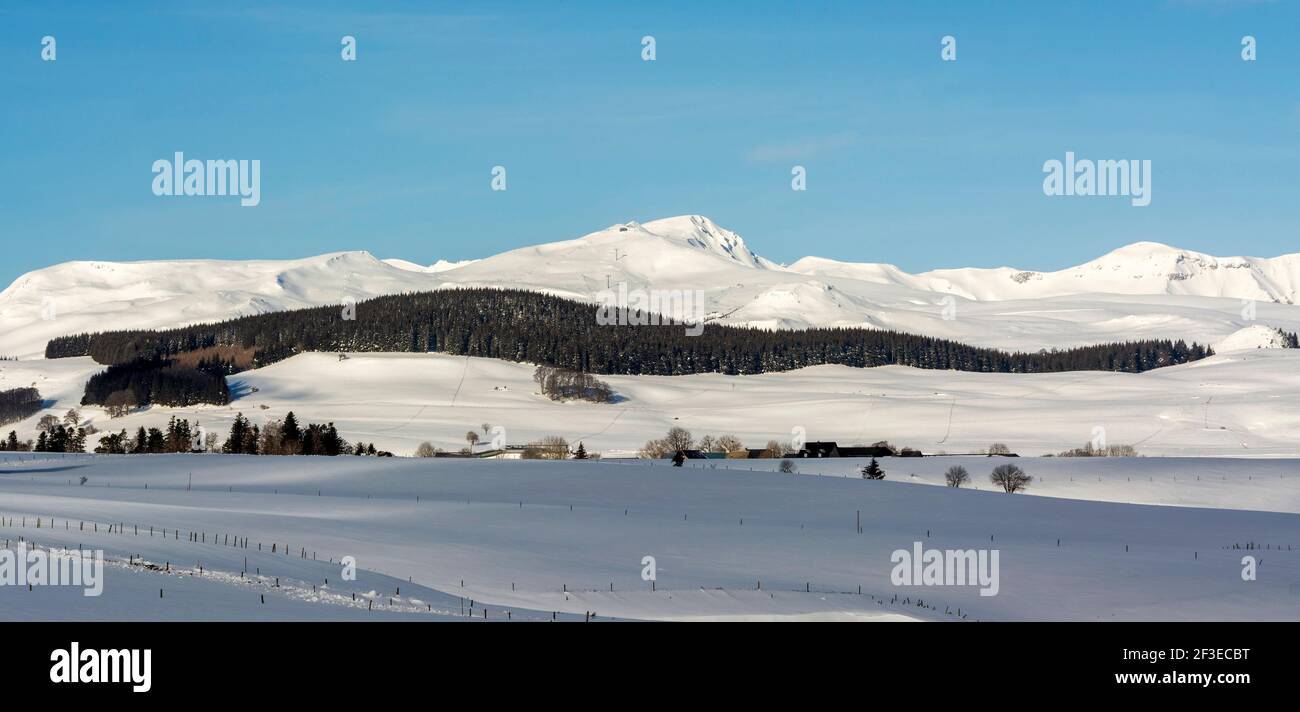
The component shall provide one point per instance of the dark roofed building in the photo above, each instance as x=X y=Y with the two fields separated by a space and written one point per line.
x=818 y=448
x=865 y=451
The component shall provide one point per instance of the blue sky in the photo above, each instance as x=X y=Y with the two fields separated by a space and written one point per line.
x=910 y=160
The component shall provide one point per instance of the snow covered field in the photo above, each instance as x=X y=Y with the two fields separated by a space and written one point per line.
x=537 y=538
x=1237 y=404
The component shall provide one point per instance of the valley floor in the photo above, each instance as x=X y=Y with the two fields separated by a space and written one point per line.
x=533 y=540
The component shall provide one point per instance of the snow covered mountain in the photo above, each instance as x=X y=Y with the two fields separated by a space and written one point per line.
x=1140 y=291
x=1140 y=268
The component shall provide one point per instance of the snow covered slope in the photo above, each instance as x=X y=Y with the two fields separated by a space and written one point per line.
x=571 y=537
x=1137 y=269
x=76 y=297
x=1237 y=404
x=1141 y=291
x=1253 y=337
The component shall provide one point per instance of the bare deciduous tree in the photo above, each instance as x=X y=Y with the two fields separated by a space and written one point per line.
x=679 y=439
x=731 y=445
x=48 y=422
x=654 y=449
x=563 y=384
x=554 y=447
x=775 y=449
x=425 y=449
x=956 y=476
x=1010 y=478
x=1112 y=451
x=119 y=403
x=270 y=439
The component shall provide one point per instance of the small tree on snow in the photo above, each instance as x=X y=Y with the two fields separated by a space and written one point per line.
x=581 y=453
x=1010 y=478
x=787 y=466
x=425 y=449
x=471 y=437
x=956 y=476
x=872 y=471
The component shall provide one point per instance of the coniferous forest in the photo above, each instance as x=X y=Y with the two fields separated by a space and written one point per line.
x=18 y=403
x=517 y=325
x=155 y=381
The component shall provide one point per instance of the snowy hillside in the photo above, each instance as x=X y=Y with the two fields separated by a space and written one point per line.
x=76 y=297
x=1253 y=337
x=1143 y=268
x=1238 y=404
x=1141 y=291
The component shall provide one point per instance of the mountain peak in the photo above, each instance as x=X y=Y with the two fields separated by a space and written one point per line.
x=701 y=233
x=1147 y=250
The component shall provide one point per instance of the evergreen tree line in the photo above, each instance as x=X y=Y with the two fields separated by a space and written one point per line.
x=287 y=437
x=157 y=381
x=517 y=325
x=13 y=444
x=179 y=436
x=18 y=404
x=61 y=439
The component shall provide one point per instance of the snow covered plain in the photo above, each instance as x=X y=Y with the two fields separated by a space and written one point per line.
x=537 y=538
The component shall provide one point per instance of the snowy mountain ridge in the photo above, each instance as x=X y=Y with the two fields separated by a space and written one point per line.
x=1142 y=290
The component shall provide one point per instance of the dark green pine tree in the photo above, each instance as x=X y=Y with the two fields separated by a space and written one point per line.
x=581 y=454
x=331 y=443
x=252 y=437
x=238 y=434
x=290 y=433
x=873 y=471
x=156 y=442
x=311 y=440
x=58 y=441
